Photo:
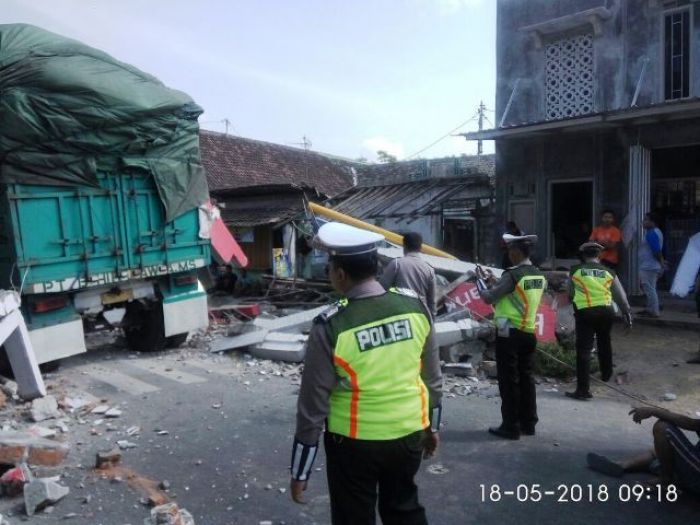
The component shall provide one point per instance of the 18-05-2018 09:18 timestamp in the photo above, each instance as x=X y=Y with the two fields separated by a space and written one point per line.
x=575 y=493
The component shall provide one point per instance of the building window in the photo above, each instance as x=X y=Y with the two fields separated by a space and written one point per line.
x=569 y=77
x=677 y=54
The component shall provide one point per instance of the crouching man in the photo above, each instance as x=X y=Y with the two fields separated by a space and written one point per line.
x=674 y=458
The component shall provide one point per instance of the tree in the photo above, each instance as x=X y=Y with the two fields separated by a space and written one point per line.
x=384 y=157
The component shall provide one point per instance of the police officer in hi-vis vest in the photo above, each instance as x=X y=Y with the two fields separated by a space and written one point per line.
x=372 y=375
x=516 y=296
x=593 y=287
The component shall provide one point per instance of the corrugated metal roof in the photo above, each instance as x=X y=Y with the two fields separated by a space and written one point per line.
x=399 y=200
x=257 y=210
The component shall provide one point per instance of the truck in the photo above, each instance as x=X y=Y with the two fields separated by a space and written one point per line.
x=102 y=194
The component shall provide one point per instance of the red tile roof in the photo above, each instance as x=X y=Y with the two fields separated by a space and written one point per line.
x=236 y=162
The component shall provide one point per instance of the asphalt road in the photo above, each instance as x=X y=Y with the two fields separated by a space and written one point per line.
x=227 y=451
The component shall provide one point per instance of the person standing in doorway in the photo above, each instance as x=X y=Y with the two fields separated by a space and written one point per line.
x=594 y=287
x=516 y=296
x=411 y=272
x=651 y=264
x=609 y=237
x=372 y=378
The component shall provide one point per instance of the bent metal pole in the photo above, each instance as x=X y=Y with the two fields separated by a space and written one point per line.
x=390 y=236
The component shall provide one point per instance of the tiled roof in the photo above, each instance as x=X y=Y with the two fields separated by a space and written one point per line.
x=235 y=162
x=422 y=169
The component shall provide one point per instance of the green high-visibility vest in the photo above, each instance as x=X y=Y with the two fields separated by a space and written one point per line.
x=378 y=344
x=590 y=285
x=520 y=306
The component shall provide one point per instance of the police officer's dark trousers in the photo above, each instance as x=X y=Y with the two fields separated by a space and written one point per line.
x=515 y=360
x=364 y=475
x=593 y=322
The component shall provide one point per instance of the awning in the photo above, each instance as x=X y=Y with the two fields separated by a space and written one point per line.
x=680 y=110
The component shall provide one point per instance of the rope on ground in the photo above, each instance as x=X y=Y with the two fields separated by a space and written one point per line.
x=637 y=398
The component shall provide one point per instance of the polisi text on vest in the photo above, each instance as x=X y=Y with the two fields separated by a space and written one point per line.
x=383 y=334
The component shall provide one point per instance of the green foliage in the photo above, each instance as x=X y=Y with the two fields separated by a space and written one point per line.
x=384 y=158
x=548 y=367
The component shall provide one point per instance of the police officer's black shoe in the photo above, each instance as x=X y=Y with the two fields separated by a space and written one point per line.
x=581 y=396
x=527 y=430
x=505 y=433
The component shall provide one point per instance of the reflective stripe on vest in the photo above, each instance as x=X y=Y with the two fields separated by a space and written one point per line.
x=379 y=394
x=520 y=306
x=591 y=287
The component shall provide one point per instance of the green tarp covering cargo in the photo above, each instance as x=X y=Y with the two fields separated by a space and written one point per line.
x=101 y=182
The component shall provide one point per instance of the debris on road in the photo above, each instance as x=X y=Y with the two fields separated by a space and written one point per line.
x=44 y=408
x=41 y=493
x=169 y=514
x=107 y=459
x=19 y=447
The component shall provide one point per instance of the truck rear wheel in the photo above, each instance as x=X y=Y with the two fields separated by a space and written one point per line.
x=143 y=326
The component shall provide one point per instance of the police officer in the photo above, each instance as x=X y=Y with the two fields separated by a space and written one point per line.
x=412 y=272
x=516 y=297
x=372 y=373
x=593 y=288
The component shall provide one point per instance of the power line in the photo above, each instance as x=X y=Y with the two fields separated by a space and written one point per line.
x=449 y=133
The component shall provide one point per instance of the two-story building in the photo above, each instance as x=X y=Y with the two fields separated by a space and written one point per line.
x=598 y=107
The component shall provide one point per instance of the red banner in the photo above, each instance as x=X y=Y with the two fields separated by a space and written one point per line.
x=467 y=295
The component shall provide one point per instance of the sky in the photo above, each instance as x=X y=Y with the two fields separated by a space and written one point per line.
x=353 y=77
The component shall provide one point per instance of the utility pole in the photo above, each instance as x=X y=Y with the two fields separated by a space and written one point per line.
x=306 y=142
x=227 y=123
x=480 y=145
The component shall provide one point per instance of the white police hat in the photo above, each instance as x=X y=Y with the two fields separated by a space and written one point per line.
x=524 y=239
x=341 y=239
x=591 y=247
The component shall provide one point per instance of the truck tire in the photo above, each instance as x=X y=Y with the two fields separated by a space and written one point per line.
x=144 y=328
x=175 y=341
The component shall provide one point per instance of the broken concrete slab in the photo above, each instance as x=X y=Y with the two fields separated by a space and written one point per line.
x=281 y=346
x=44 y=408
x=18 y=347
x=452 y=332
x=299 y=321
x=41 y=493
x=238 y=341
x=459 y=369
x=261 y=327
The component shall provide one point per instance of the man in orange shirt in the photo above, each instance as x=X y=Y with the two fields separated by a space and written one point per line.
x=607 y=235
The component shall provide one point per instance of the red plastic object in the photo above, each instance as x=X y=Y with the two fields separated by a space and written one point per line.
x=249 y=310
x=225 y=245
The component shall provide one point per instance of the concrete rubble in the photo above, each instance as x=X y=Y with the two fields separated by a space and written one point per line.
x=44 y=408
x=40 y=493
x=15 y=339
x=169 y=514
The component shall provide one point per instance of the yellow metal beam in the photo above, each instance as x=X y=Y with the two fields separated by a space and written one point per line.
x=390 y=236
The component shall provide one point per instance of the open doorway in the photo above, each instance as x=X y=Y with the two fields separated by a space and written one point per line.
x=675 y=199
x=459 y=238
x=571 y=217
